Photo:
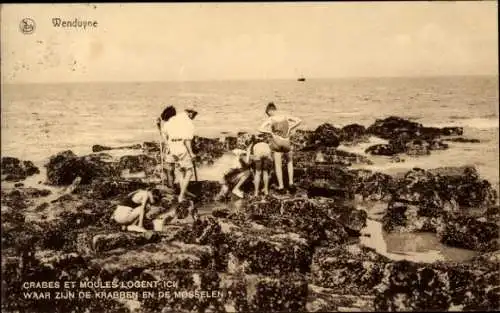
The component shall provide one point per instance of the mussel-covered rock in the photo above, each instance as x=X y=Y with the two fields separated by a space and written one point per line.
x=383 y=149
x=94 y=240
x=392 y=126
x=259 y=293
x=246 y=246
x=301 y=139
x=64 y=167
x=302 y=208
x=48 y=267
x=348 y=269
x=137 y=163
x=439 y=186
x=158 y=256
x=408 y=286
x=354 y=133
x=373 y=185
x=408 y=137
x=193 y=290
x=404 y=217
x=204 y=190
x=100 y=148
x=207 y=150
x=460 y=230
x=14 y=169
x=111 y=188
x=327 y=135
x=462 y=140
x=330 y=156
x=321 y=299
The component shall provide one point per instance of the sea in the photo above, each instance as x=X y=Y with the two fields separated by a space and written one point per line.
x=40 y=120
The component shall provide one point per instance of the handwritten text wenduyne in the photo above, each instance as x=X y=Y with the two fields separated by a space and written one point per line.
x=73 y=23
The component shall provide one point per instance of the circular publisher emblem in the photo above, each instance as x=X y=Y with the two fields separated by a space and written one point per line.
x=27 y=26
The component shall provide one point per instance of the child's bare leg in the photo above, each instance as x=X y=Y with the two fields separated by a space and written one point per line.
x=170 y=171
x=278 y=168
x=236 y=190
x=256 y=181
x=290 y=168
x=184 y=183
x=266 y=182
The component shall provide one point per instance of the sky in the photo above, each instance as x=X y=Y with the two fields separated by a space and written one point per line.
x=225 y=41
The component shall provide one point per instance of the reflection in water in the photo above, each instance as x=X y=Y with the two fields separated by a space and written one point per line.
x=417 y=247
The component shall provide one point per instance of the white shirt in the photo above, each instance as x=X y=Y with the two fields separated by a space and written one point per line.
x=179 y=126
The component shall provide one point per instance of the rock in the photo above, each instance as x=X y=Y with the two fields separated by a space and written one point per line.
x=120 y=264
x=323 y=171
x=463 y=140
x=246 y=246
x=63 y=168
x=417 y=147
x=57 y=225
x=314 y=209
x=351 y=269
x=437 y=144
x=230 y=143
x=408 y=286
x=207 y=150
x=14 y=169
x=404 y=218
x=99 y=148
x=301 y=139
x=111 y=188
x=243 y=140
x=327 y=135
x=392 y=126
x=54 y=267
x=204 y=190
x=452 y=131
x=354 y=133
x=259 y=250
x=258 y=293
x=329 y=156
x=373 y=186
x=382 y=149
x=317 y=231
x=461 y=185
x=151 y=147
x=195 y=291
x=468 y=232
x=96 y=240
x=21 y=198
x=406 y=136
x=137 y=163
x=322 y=299
x=327 y=189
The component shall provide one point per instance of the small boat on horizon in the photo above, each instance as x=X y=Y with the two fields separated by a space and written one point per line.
x=301 y=79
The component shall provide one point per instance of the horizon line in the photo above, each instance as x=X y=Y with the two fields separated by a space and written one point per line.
x=242 y=79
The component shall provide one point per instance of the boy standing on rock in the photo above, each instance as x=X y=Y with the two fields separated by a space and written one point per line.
x=280 y=127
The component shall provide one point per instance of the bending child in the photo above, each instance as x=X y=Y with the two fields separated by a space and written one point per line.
x=257 y=158
x=236 y=176
x=131 y=210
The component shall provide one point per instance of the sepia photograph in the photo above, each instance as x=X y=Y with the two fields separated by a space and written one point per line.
x=250 y=157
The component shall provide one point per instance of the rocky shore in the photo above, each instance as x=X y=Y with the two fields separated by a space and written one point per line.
x=290 y=253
